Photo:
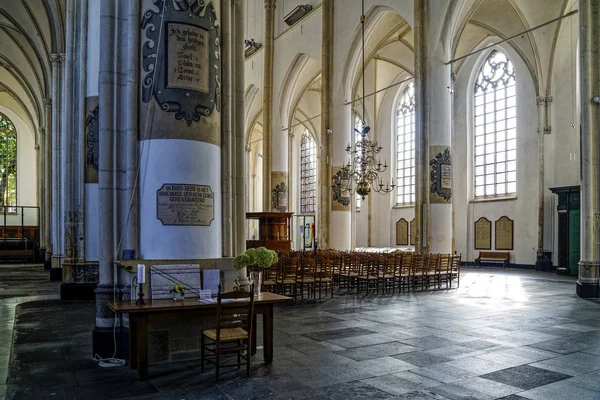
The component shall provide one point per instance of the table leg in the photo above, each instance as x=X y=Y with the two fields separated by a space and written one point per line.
x=142 y=346
x=254 y=329
x=132 y=342
x=268 y=333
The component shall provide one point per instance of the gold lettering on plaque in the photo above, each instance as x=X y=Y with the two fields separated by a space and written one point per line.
x=180 y=204
x=402 y=232
x=188 y=61
x=504 y=234
x=483 y=234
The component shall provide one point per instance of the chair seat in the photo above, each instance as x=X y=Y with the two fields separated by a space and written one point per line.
x=323 y=279
x=227 y=335
x=268 y=283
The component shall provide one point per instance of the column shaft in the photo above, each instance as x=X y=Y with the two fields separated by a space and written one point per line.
x=226 y=133
x=589 y=64
x=268 y=102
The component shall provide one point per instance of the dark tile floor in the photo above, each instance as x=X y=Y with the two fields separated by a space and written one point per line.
x=503 y=334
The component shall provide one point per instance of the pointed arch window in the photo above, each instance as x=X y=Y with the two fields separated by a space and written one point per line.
x=495 y=128
x=8 y=164
x=358 y=126
x=405 y=146
x=308 y=173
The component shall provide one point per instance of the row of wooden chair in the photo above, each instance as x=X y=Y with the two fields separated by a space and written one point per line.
x=312 y=274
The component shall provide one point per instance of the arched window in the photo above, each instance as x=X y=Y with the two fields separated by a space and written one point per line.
x=8 y=163
x=308 y=173
x=495 y=128
x=358 y=126
x=405 y=146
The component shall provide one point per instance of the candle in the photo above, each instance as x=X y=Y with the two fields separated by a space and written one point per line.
x=141 y=273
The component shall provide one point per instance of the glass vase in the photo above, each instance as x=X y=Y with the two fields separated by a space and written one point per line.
x=256 y=277
x=178 y=296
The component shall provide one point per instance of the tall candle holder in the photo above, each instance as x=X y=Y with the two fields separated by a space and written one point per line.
x=140 y=300
x=141 y=278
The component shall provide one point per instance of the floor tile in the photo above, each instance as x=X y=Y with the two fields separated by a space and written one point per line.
x=376 y=351
x=571 y=364
x=422 y=359
x=337 y=334
x=560 y=391
x=525 y=377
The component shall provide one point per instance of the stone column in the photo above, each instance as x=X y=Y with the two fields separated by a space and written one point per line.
x=268 y=102
x=57 y=220
x=421 y=39
x=589 y=64
x=106 y=181
x=72 y=142
x=324 y=225
x=543 y=104
x=46 y=171
x=227 y=145
x=180 y=150
x=434 y=188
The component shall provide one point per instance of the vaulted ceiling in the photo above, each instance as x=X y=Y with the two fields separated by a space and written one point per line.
x=30 y=31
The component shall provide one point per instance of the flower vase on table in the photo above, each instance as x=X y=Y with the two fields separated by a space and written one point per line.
x=256 y=261
x=256 y=278
x=178 y=292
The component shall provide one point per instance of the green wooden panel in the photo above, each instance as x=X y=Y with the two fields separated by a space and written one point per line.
x=574 y=242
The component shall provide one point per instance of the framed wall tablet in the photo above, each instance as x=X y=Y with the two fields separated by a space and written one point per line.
x=504 y=233
x=483 y=234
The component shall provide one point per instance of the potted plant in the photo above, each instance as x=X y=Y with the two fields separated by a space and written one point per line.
x=256 y=260
x=178 y=292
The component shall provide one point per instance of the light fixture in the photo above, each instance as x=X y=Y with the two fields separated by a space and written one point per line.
x=361 y=174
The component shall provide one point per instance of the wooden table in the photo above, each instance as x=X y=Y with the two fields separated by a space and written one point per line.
x=155 y=310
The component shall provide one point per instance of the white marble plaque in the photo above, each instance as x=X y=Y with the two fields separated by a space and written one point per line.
x=181 y=204
x=187 y=57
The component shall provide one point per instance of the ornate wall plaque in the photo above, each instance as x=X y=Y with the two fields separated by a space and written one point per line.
x=91 y=140
x=441 y=175
x=504 y=229
x=483 y=234
x=413 y=232
x=182 y=204
x=402 y=232
x=186 y=59
x=280 y=197
x=341 y=197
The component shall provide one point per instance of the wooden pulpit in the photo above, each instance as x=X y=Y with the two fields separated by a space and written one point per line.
x=274 y=230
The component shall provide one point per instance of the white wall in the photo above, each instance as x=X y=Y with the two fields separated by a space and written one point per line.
x=523 y=209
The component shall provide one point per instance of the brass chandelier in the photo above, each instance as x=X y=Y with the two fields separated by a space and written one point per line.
x=361 y=174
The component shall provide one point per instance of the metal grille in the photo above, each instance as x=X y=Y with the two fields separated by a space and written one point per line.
x=405 y=147
x=8 y=164
x=495 y=128
x=308 y=173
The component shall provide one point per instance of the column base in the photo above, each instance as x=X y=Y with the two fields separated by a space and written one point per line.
x=56 y=274
x=103 y=342
x=588 y=290
x=71 y=291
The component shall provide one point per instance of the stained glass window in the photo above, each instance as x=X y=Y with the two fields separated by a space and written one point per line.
x=8 y=164
x=405 y=147
x=495 y=127
x=308 y=173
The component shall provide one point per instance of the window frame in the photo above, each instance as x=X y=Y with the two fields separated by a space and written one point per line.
x=495 y=129
x=4 y=135
x=411 y=106
x=312 y=192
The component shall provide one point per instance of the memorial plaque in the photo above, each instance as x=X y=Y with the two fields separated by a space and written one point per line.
x=402 y=232
x=483 y=234
x=413 y=232
x=182 y=204
x=504 y=234
x=446 y=176
x=187 y=62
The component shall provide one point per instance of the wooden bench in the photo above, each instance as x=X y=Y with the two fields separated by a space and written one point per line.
x=493 y=256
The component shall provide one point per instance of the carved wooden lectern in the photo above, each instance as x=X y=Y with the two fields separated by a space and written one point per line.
x=274 y=230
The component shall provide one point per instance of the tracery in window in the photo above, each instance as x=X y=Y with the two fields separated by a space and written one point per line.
x=308 y=173
x=8 y=164
x=495 y=128
x=405 y=146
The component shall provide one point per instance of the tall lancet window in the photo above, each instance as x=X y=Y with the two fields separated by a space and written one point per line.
x=495 y=128
x=358 y=126
x=8 y=164
x=405 y=146
x=308 y=173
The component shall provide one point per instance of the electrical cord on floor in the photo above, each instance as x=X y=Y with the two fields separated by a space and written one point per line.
x=111 y=362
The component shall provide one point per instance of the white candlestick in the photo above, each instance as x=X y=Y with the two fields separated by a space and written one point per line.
x=141 y=273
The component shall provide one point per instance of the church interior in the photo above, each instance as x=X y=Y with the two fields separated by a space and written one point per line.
x=299 y=199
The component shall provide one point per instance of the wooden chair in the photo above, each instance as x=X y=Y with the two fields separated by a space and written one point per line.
x=432 y=270
x=233 y=333
x=455 y=269
x=445 y=270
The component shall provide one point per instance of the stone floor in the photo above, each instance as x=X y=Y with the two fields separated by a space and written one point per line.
x=503 y=334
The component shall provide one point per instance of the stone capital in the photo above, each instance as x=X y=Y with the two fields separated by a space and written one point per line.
x=270 y=4
x=57 y=58
x=47 y=101
x=543 y=100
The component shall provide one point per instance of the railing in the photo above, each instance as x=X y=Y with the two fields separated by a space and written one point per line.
x=19 y=227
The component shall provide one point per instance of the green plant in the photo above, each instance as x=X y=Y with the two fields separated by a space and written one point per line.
x=261 y=258
x=178 y=289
